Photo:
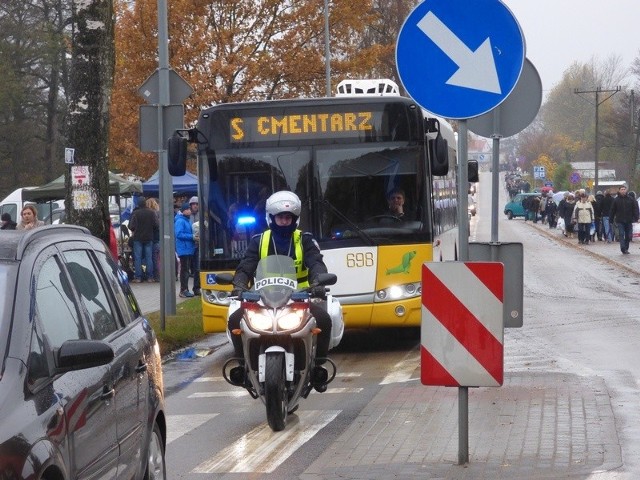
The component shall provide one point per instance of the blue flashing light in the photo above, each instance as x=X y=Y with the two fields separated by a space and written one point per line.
x=246 y=220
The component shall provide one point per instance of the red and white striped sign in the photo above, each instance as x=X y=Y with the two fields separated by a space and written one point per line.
x=462 y=332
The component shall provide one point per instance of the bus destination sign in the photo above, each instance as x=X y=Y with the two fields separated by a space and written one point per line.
x=303 y=126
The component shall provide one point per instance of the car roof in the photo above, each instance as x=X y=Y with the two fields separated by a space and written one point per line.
x=15 y=242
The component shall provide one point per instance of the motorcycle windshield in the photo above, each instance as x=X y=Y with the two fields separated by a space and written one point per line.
x=275 y=280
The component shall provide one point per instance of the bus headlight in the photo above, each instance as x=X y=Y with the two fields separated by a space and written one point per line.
x=398 y=292
x=216 y=297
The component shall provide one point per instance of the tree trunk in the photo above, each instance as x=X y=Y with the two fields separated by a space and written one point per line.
x=88 y=115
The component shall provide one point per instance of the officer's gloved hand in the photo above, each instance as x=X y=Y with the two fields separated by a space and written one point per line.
x=319 y=292
x=237 y=292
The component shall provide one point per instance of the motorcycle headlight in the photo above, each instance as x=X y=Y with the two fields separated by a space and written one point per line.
x=290 y=320
x=259 y=321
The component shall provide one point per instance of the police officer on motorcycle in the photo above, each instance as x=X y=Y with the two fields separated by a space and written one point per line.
x=284 y=238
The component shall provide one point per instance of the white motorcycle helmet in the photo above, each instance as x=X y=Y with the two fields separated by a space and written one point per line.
x=284 y=201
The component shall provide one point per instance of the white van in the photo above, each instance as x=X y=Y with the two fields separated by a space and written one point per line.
x=14 y=202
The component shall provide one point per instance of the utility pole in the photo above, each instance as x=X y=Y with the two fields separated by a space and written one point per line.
x=597 y=91
x=327 y=49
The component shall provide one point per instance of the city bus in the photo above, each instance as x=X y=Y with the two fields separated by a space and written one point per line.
x=342 y=156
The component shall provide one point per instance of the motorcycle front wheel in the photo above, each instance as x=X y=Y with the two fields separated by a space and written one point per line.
x=275 y=391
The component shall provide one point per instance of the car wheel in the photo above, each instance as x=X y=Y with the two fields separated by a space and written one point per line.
x=155 y=457
x=509 y=214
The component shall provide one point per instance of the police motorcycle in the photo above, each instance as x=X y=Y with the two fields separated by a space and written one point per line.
x=279 y=337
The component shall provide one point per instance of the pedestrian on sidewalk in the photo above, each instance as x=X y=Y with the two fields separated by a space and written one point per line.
x=185 y=247
x=624 y=212
x=607 y=223
x=534 y=208
x=29 y=218
x=565 y=210
x=7 y=223
x=142 y=223
x=194 y=219
x=155 y=207
x=583 y=216
x=551 y=212
x=598 y=212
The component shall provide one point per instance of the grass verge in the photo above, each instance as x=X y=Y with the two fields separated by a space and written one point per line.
x=181 y=329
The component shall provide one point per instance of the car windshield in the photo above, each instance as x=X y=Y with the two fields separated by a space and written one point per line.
x=7 y=287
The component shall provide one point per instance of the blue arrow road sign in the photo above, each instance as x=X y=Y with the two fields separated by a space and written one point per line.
x=460 y=58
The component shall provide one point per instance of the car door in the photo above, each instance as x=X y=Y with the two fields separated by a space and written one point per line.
x=86 y=396
x=138 y=335
x=128 y=370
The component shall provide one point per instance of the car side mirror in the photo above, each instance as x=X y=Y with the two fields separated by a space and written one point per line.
x=80 y=354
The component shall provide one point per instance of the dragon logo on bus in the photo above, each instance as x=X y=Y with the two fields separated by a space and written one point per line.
x=405 y=264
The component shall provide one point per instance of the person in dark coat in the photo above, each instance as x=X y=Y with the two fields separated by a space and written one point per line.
x=142 y=224
x=551 y=212
x=607 y=223
x=534 y=208
x=597 y=212
x=7 y=223
x=624 y=212
x=565 y=210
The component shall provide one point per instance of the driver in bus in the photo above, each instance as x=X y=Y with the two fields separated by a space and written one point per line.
x=395 y=200
x=283 y=238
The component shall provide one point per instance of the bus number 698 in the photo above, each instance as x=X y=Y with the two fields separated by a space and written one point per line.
x=358 y=260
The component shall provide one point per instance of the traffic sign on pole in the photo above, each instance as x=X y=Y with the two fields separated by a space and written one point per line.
x=575 y=177
x=172 y=120
x=517 y=111
x=179 y=89
x=460 y=58
x=462 y=332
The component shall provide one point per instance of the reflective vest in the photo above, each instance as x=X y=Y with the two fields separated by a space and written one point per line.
x=302 y=273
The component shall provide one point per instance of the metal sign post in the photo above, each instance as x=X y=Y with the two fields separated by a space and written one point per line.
x=157 y=121
x=446 y=62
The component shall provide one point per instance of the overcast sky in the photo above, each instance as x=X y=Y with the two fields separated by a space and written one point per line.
x=560 y=32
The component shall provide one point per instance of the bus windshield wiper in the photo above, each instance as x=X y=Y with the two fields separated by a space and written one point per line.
x=363 y=235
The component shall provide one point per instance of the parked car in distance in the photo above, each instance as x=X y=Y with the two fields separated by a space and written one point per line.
x=514 y=207
x=81 y=390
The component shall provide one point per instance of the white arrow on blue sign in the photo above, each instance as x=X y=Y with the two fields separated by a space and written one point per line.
x=460 y=58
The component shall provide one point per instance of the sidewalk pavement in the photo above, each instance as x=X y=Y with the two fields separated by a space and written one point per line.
x=543 y=423
x=148 y=296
